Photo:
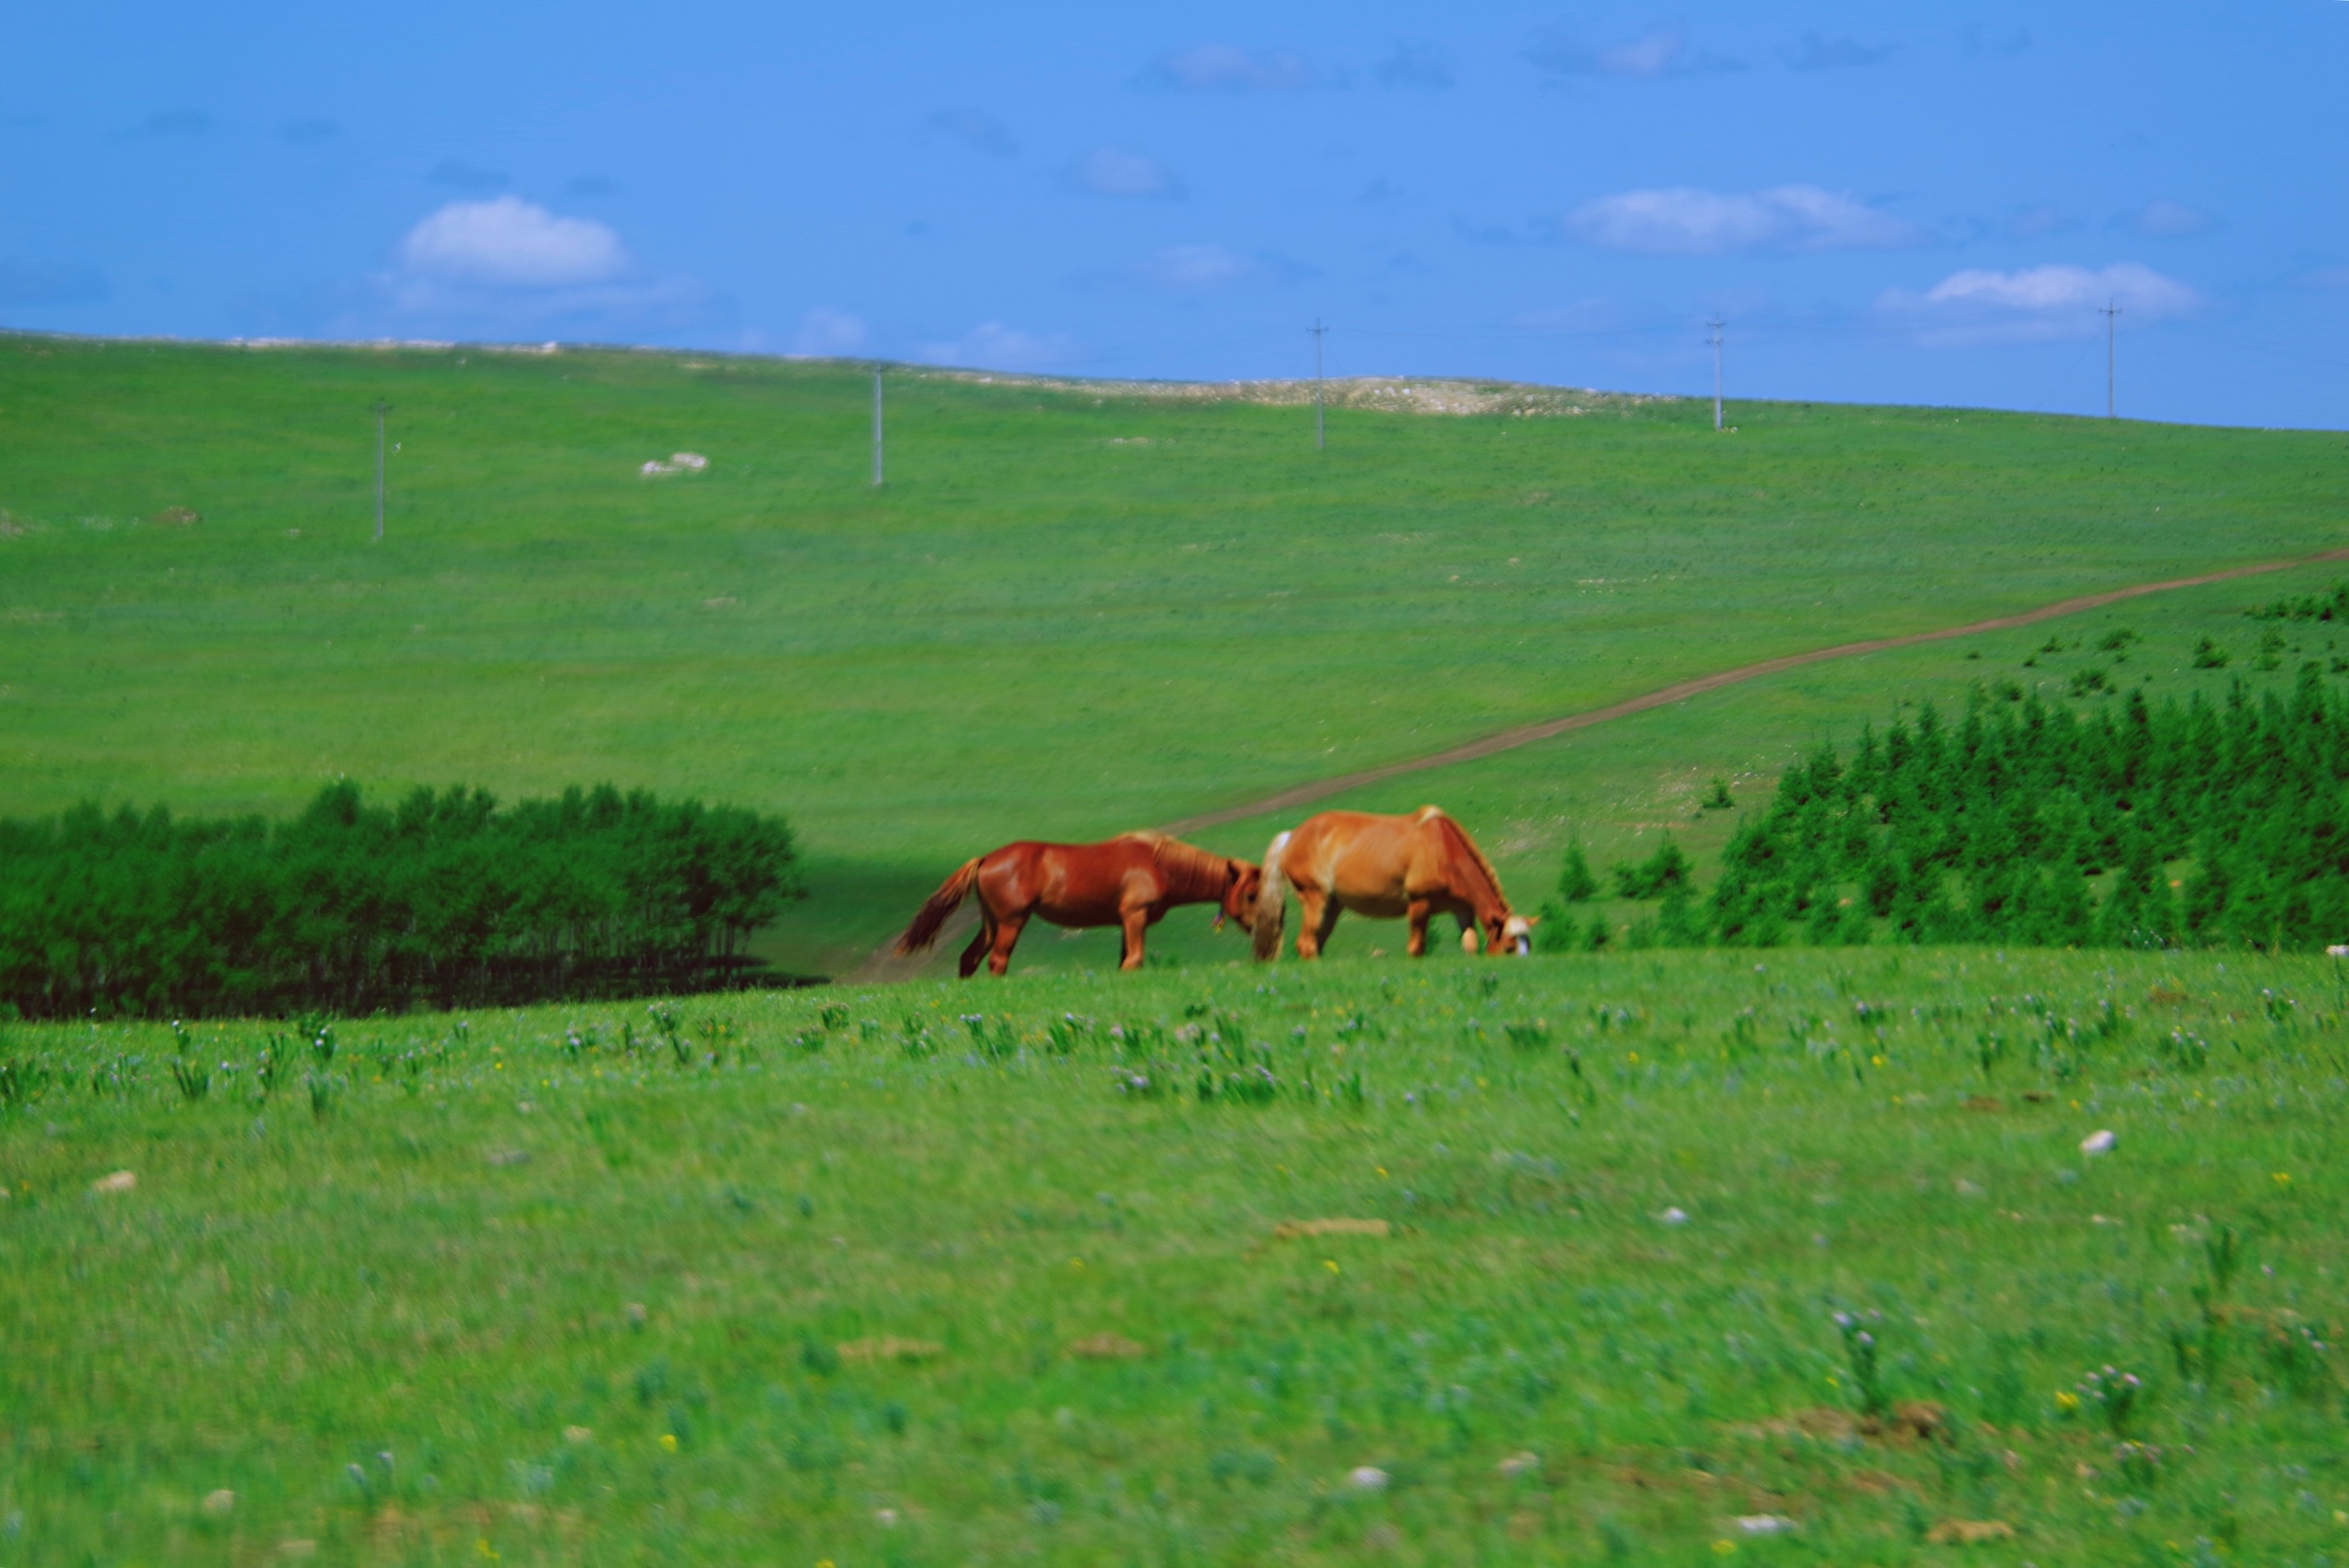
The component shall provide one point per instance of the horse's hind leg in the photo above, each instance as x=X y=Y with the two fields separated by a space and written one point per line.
x=1137 y=924
x=1007 y=937
x=977 y=951
x=1318 y=917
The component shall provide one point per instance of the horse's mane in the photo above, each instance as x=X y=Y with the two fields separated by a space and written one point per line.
x=1459 y=836
x=1192 y=869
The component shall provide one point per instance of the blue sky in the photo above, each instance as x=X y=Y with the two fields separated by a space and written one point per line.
x=1896 y=202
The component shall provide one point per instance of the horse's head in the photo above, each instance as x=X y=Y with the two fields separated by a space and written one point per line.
x=1242 y=882
x=1508 y=933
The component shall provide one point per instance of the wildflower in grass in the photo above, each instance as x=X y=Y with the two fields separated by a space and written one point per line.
x=2067 y=1401
x=1330 y=1263
x=2099 y=1141
x=2111 y=1393
x=1367 y=1478
x=668 y=1442
x=2283 y=1179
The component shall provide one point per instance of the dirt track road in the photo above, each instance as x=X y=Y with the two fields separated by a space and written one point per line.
x=882 y=966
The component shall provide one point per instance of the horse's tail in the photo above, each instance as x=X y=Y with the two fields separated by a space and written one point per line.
x=1272 y=900
x=944 y=901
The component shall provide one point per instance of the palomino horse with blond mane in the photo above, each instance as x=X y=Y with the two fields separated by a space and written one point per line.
x=1409 y=867
x=1131 y=881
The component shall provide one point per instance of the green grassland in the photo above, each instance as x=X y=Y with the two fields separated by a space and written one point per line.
x=947 y=1274
x=937 y=1273
x=1067 y=613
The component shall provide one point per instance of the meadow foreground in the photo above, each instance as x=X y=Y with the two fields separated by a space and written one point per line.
x=1780 y=1255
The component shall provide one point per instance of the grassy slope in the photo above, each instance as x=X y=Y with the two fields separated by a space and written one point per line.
x=374 y=1325
x=1041 y=628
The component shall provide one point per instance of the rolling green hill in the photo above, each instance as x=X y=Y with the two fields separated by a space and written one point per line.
x=1071 y=611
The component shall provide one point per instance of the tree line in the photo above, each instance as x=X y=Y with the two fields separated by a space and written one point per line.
x=444 y=900
x=2186 y=825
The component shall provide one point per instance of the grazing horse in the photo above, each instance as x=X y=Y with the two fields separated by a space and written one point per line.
x=1131 y=881
x=1415 y=866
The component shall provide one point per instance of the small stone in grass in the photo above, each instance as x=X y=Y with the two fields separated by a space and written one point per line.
x=2099 y=1141
x=1367 y=1478
x=1765 y=1523
x=118 y=1182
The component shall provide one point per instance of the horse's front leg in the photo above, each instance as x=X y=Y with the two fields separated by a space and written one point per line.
x=1418 y=914
x=1136 y=922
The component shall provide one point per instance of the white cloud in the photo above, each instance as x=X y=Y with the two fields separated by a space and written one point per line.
x=828 y=334
x=2166 y=220
x=1113 y=171
x=509 y=267
x=1685 y=222
x=991 y=345
x=1225 y=67
x=510 y=243
x=2035 y=304
x=1660 y=52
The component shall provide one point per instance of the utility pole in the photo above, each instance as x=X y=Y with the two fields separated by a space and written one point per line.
x=2110 y=309
x=1716 y=324
x=1320 y=439
x=381 y=409
x=876 y=428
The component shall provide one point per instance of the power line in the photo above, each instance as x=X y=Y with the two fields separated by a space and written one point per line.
x=380 y=408
x=2111 y=310
x=1320 y=443
x=1716 y=324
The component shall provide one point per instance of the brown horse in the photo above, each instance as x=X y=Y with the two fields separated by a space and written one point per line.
x=1131 y=881
x=1415 y=866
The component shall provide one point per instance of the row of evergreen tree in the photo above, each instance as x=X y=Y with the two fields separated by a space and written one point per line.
x=444 y=900
x=2193 y=824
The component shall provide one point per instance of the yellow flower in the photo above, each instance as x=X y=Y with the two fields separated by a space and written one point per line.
x=1330 y=1263
x=1634 y=1056
x=1076 y=1262
x=2283 y=1178
x=1380 y=1168
x=1724 y=1548
x=668 y=1442
x=2066 y=1400
x=1878 y=1059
